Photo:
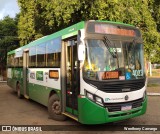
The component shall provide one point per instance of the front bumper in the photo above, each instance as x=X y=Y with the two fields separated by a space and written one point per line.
x=92 y=113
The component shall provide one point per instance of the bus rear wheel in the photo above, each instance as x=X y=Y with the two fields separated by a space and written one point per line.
x=18 y=91
x=54 y=108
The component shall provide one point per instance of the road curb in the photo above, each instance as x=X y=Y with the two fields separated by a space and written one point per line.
x=3 y=81
x=153 y=94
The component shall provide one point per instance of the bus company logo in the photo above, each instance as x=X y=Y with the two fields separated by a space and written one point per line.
x=39 y=75
x=126 y=97
x=113 y=99
x=107 y=99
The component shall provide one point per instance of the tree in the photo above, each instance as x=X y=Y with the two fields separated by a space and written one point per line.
x=155 y=11
x=40 y=18
x=8 y=37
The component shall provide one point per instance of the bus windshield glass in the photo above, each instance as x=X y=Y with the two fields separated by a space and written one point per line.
x=118 y=60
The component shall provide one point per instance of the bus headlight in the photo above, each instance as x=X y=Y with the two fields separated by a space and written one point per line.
x=99 y=100
x=94 y=98
x=89 y=95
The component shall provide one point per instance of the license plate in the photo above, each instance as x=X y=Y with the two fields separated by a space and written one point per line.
x=126 y=107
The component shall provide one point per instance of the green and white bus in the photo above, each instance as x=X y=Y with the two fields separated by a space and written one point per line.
x=92 y=72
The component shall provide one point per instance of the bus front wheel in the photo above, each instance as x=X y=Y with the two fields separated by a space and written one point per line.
x=54 y=108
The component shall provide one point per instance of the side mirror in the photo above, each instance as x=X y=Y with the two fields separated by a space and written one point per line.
x=81 y=52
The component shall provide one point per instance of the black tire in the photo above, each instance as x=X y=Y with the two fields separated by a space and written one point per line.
x=18 y=91
x=54 y=108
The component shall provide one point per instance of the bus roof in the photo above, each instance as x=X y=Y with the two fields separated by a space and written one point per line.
x=113 y=22
x=64 y=33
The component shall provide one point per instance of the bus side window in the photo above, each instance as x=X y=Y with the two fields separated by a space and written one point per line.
x=53 y=51
x=9 y=60
x=32 y=57
x=41 y=55
x=21 y=61
x=50 y=53
x=12 y=60
x=16 y=61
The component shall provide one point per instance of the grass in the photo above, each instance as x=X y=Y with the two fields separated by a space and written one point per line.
x=155 y=72
x=153 y=85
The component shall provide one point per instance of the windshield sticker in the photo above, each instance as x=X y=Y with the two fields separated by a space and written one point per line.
x=128 y=75
x=116 y=50
x=121 y=77
x=137 y=73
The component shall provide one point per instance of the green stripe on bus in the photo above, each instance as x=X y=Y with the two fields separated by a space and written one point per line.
x=69 y=35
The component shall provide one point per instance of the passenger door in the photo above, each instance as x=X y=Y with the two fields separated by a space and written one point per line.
x=25 y=73
x=72 y=77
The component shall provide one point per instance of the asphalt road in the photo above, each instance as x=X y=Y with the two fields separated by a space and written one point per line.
x=154 y=80
x=14 y=111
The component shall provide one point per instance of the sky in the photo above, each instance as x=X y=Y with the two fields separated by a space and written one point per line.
x=8 y=7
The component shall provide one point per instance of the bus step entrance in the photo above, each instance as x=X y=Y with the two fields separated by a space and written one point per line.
x=26 y=96
x=70 y=115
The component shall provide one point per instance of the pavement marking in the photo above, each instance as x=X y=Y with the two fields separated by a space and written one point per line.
x=153 y=94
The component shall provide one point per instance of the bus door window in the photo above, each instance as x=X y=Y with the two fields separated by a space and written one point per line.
x=71 y=64
x=68 y=67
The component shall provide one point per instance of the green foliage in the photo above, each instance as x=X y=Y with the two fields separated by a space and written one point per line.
x=40 y=18
x=8 y=37
x=156 y=12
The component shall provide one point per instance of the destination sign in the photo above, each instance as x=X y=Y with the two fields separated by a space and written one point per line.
x=109 y=75
x=54 y=74
x=110 y=29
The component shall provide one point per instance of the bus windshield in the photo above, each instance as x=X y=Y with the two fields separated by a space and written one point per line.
x=126 y=64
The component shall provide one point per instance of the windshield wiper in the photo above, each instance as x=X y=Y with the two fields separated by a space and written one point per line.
x=108 y=46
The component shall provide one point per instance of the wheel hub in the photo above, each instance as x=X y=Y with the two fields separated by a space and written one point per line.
x=56 y=108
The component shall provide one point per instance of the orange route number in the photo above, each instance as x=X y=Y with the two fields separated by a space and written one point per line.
x=110 y=75
x=54 y=74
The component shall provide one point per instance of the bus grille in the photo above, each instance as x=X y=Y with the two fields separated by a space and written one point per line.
x=121 y=87
x=113 y=107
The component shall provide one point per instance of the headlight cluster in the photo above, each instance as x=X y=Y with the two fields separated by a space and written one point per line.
x=94 y=98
